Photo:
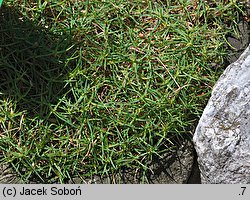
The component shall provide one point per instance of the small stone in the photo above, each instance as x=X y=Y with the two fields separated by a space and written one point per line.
x=141 y=35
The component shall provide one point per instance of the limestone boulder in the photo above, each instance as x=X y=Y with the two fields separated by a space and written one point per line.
x=222 y=137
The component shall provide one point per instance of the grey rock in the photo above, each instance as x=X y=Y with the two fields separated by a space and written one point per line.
x=238 y=43
x=176 y=171
x=222 y=137
x=8 y=176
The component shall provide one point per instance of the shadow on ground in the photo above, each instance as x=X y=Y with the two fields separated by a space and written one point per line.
x=32 y=65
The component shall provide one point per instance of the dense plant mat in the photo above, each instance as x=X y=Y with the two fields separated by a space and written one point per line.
x=95 y=87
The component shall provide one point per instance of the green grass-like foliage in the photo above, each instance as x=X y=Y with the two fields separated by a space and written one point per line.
x=93 y=87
